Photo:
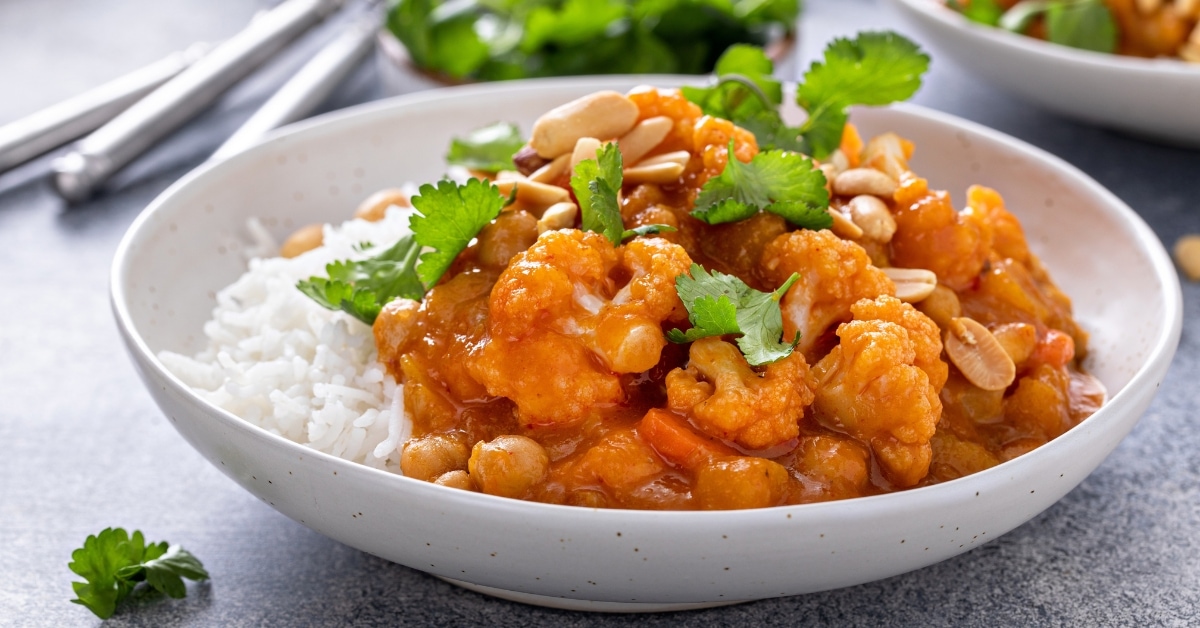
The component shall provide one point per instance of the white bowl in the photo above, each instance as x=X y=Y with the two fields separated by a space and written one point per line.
x=186 y=246
x=1154 y=98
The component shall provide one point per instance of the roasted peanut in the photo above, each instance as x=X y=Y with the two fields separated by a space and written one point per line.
x=843 y=227
x=553 y=169
x=1147 y=7
x=858 y=181
x=605 y=114
x=873 y=217
x=680 y=157
x=557 y=216
x=978 y=355
x=532 y=193
x=912 y=284
x=303 y=240
x=666 y=172
x=375 y=207
x=585 y=148
x=1187 y=255
x=886 y=153
x=643 y=138
x=839 y=160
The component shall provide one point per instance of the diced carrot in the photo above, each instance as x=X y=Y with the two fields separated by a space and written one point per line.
x=1055 y=349
x=852 y=145
x=670 y=435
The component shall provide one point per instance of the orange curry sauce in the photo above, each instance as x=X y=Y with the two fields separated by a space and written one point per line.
x=538 y=368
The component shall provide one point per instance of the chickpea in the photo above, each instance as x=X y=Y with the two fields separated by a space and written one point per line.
x=303 y=240
x=742 y=482
x=432 y=456
x=513 y=232
x=508 y=466
x=456 y=479
x=375 y=207
x=941 y=305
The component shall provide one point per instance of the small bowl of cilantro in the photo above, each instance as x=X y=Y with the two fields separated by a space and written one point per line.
x=1130 y=65
x=456 y=41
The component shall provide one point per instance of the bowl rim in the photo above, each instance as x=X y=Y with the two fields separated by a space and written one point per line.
x=1162 y=350
x=944 y=16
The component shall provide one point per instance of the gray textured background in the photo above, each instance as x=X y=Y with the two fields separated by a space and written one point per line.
x=85 y=447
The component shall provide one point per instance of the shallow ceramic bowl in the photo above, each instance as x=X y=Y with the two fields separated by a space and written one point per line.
x=187 y=245
x=1153 y=98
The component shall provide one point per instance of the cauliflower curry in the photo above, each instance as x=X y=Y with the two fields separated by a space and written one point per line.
x=932 y=343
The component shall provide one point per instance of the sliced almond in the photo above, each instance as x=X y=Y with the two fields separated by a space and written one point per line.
x=873 y=216
x=843 y=227
x=375 y=207
x=978 y=355
x=585 y=149
x=680 y=157
x=550 y=172
x=557 y=216
x=643 y=138
x=532 y=193
x=912 y=284
x=604 y=114
x=858 y=181
x=658 y=173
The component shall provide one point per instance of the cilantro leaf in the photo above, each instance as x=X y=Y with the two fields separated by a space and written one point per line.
x=720 y=304
x=1087 y=25
x=451 y=215
x=646 y=230
x=780 y=182
x=1021 y=15
x=362 y=288
x=873 y=69
x=596 y=183
x=113 y=563
x=746 y=94
x=487 y=149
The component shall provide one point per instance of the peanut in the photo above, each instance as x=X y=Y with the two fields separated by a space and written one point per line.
x=680 y=157
x=873 y=216
x=912 y=284
x=585 y=148
x=557 y=216
x=643 y=138
x=843 y=227
x=666 y=172
x=857 y=181
x=978 y=355
x=604 y=114
x=552 y=170
x=532 y=193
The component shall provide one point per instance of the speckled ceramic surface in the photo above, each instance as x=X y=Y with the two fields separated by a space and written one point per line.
x=1154 y=98
x=187 y=245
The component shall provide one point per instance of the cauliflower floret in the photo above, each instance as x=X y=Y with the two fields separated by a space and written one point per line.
x=727 y=399
x=834 y=274
x=930 y=234
x=572 y=313
x=922 y=331
x=874 y=386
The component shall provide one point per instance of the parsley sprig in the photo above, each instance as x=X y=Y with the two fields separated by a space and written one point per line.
x=450 y=217
x=720 y=304
x=113 y=564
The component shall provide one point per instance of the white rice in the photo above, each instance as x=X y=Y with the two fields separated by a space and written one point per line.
x=280 y=361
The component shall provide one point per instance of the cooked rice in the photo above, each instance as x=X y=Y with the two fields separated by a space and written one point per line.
x=280 y=361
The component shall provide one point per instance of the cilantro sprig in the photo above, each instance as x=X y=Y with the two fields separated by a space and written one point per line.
x=720 y=304
x=113 y=564
x=486 y=149
x=450 y=217
x=1083 y=24
x=777 y=181
x=596 y=183
x=872 y=69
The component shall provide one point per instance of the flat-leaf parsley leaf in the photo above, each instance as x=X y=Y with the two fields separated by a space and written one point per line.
x=113 y=563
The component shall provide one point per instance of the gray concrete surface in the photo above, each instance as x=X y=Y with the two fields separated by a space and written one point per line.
x=85 y=447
